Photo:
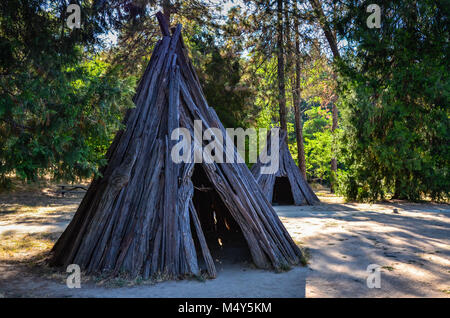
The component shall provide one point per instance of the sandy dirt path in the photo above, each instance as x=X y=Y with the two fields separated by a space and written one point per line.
x=411 y=245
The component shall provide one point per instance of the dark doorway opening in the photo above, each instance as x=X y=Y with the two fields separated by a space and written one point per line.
x=282 y=192
x=223 y=235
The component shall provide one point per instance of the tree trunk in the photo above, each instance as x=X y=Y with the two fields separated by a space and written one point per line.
x=296 y=96
x=280 y=55
x=331 y=38
x=139 y=217
x=333 y=150
x=299 y=136
x=320 y=16
x=167 y=9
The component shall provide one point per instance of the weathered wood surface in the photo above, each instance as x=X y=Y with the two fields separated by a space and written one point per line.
x=301 y=191
x=139 y=218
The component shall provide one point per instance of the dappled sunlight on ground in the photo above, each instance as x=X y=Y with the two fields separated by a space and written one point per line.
x=31 y=221
x=410 y=241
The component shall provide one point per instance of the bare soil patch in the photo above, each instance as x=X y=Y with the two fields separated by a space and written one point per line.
x=411 y=244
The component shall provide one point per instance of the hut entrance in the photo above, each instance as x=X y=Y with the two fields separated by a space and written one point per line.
x=222 y=233
x=282 y=192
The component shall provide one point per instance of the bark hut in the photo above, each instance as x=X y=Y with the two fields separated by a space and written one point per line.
x=147 y=215
x=287 y=186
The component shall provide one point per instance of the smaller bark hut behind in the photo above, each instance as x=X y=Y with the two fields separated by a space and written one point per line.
x=287 y=186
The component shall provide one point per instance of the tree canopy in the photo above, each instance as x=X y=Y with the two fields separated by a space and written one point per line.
x=366 y=109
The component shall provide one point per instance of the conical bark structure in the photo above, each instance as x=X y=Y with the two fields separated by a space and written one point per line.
x=148 y=215
x=286 y=186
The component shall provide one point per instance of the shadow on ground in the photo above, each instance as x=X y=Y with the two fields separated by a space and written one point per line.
x=411 y=245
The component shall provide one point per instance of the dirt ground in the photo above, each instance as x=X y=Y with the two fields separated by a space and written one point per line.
x=410 y=242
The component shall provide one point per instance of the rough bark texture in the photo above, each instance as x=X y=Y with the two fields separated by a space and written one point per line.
x=140 y=217
x=302 y=194
x=331 y=38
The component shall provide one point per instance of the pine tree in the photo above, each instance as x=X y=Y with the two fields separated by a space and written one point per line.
x=395 y=88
